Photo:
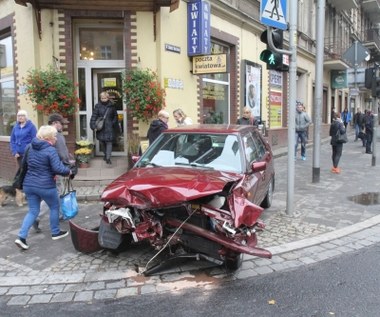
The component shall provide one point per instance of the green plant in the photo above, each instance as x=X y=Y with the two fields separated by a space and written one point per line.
x=143 y=93
x=51 y=91
x=83 y=154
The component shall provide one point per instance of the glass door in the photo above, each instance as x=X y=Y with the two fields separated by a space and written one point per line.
x=110 y=80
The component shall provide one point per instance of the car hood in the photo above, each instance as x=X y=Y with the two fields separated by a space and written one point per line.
x=163 y=186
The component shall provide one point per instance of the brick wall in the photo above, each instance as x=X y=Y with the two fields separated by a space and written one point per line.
x=8 y=165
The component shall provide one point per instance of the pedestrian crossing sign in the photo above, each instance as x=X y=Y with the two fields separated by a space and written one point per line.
x=273 y=13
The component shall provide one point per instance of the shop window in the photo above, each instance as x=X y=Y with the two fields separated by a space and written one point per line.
x=8 y=107
x=215 y=92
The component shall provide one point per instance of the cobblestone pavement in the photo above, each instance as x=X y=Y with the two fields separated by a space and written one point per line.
x=326 y=222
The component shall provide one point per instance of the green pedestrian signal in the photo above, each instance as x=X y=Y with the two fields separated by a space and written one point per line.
x=272 y=59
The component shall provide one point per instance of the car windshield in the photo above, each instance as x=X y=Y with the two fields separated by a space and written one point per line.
x=214 y=151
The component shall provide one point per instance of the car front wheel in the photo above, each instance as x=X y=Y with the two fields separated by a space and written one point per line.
x=267 y=202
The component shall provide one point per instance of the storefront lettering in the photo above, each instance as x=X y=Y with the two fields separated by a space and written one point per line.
x=198 y=28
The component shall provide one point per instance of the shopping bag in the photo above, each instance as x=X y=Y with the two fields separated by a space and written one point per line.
x=68 y=201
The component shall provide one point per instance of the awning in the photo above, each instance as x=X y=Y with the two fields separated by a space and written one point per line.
x=104 y=5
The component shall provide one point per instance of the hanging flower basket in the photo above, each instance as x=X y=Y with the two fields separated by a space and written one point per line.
x=143 y=93
x=51 y=91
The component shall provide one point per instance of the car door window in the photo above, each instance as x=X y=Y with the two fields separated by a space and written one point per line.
x=250 y=148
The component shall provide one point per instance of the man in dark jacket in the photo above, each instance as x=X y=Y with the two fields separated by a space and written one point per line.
x=107 y=135
x=158 y=126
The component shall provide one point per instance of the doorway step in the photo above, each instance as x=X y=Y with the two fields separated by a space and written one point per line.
x=100 y=173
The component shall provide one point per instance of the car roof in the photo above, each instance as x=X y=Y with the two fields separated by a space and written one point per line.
x=211 y=128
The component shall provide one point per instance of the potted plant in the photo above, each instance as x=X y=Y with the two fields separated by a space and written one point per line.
x=83 y=153
x=51 y=91
x=143 y=93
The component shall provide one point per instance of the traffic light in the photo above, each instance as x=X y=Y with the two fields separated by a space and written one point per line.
x=369 y=76
x=376 y=86
x=273 y=59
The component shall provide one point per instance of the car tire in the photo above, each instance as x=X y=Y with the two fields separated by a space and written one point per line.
x=267 y=202
x=234 y=262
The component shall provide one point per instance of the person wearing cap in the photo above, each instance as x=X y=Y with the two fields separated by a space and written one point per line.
x=107 y=134
x=22 y=134
x=302 y=123
x=57 y=121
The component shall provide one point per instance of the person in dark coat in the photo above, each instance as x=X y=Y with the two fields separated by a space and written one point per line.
x=158 y=126
x=22 y=134
x=107 y=134
x=337 y=148
x=39 y=183
x=368 y=124
x=247 y=118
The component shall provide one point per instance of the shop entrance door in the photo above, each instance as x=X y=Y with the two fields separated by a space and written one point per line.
x=110 y=80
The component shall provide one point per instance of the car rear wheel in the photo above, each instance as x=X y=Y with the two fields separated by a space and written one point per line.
x=267 y=202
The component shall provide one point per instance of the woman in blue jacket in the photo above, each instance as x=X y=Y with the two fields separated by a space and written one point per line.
x=39 y=183
x=22 y=134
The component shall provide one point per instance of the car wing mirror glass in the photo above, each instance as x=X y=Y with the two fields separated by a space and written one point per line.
x=258 y=166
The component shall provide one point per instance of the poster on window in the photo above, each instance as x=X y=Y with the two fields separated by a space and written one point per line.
x=253 y=88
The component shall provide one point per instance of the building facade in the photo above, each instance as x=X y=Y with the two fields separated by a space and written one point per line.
x=94 y=44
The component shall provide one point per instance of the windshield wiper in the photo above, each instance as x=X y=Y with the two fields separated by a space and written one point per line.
x=194 y=165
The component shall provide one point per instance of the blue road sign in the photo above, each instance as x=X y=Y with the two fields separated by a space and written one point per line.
x=273 y=13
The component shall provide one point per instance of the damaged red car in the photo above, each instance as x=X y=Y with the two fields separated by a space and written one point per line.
x=200 y=189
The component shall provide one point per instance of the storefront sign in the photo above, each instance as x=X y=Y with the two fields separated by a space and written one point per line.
x=275 y=106
x=198 y=28
x=210 y=64
x=338 y=79
x=109 y=82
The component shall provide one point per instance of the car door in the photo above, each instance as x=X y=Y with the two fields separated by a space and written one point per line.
x=252 y=181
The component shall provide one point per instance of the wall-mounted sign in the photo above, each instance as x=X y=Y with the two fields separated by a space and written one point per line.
x=198 y=28
x=109 y=82
x=173 y=83
x=210 y=64
x=172 y=48
x=338 y=79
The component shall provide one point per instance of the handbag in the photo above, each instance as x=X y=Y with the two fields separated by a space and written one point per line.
x=68 y=201
x=21 y=172
x=99 y=123
x=341 y=137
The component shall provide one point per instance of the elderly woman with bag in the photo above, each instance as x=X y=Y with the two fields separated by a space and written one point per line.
x=104 y=122
x=43 y=164
x=337 y=133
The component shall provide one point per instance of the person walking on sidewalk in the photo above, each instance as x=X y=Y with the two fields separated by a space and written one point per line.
x=358 y=120
x=39 y=184
x=57 y=121
x=346 y=117
x=107 y=135
x=368 y=124
x=337 y=148
x=302 y=123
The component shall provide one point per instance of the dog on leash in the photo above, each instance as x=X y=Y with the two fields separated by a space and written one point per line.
x=10 y=191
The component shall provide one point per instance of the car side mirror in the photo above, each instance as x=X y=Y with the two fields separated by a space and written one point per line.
x=258 y=166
